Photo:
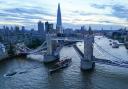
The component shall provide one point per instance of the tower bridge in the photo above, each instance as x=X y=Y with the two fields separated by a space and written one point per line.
x=53 y=47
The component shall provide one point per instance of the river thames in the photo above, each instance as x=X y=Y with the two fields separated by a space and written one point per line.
x=34 y=74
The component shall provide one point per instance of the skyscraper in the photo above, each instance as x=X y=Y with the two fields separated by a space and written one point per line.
x=48 y=27
x=59 y=21
x=41 y=27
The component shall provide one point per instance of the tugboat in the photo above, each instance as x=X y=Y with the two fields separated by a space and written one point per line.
x=60 y=65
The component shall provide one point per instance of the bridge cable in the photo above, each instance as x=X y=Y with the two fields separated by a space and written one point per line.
x=107 y=52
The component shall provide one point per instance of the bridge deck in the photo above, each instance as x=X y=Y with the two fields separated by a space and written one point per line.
x=68 y=38
x=112 y=63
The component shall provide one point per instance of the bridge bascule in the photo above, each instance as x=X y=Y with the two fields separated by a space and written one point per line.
x=52 y=46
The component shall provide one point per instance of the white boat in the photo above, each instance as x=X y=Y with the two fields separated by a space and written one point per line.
x=115 y=45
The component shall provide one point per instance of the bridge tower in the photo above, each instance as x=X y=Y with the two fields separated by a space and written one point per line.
x=51 y=46
x=87 y=62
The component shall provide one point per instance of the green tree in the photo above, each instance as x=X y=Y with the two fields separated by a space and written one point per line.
x=35 y=43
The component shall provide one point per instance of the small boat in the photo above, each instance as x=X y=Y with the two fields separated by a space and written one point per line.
x=22 y=72
x=115 y=45
x=60 y=65
x=110 y=44
x=10 y=74
x=110 y=40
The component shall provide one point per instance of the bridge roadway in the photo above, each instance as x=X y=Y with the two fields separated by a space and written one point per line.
x=123 y=64
x=112 y=63
x=68 y=38
x=23 y=49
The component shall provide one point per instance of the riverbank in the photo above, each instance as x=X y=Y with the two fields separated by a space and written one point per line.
x=13 y=56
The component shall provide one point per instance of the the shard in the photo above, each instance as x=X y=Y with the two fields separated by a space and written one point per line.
x=59 y=20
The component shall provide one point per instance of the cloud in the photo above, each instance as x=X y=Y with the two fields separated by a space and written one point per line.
x=73 y=11
x=25 y=15
x=120 y=11
x=99 y=6
x=15 y=16
x=1 y=2
x=34 y=10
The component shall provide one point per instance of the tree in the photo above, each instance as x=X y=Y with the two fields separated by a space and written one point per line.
x=35 y=43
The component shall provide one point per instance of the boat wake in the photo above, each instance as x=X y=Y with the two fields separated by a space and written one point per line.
x=13 y=73
x=10 y=74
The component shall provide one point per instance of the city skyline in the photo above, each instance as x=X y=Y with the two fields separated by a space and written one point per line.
x=75 y=13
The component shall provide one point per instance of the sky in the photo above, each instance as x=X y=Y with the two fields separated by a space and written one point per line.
x=108 y=14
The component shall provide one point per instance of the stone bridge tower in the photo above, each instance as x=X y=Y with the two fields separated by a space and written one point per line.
x=87 y=62
x=52 y=54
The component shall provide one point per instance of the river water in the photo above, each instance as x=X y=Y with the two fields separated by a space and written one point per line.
x=33 y=74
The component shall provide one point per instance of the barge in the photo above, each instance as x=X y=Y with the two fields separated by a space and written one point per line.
x=60 y=65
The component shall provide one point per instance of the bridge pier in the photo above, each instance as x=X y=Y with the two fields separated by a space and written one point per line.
x=87 y=62
x=87 y=65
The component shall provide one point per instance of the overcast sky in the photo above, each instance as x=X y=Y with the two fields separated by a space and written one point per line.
x=75 y=13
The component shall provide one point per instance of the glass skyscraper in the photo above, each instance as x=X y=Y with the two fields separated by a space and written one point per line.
x=59 y=20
